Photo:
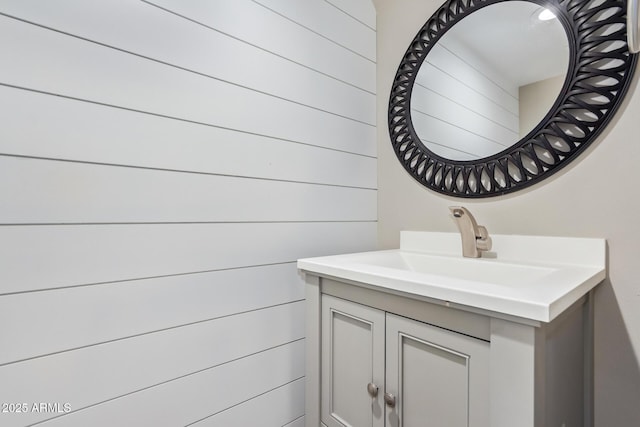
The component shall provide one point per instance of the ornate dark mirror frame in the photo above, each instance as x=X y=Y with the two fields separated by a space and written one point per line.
x=592 y=92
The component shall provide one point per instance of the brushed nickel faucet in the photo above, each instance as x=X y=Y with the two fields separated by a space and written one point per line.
x=475 y=238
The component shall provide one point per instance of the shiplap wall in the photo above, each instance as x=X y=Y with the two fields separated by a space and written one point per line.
x=163 y=164
x=461 y=108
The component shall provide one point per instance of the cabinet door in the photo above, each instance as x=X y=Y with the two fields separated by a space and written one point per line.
x=352 y=357
x=439 y=378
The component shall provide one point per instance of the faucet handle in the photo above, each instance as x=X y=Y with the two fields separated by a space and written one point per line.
x=482 y=232
x=483 y=241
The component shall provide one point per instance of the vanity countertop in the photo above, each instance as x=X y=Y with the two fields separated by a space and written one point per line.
x=532 y=277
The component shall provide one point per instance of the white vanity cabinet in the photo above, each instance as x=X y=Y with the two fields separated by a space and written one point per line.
x=423 y=336
x=353 y=352
x=452 y=367
x=380 y=369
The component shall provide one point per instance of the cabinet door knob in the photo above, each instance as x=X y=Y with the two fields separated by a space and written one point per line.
x=390 y=400
x=372 y=389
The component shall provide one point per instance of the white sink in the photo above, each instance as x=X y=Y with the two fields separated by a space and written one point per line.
x=477 y=270
x=531 y=277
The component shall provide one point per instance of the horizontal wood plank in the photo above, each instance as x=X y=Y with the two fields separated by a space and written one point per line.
x=449 y=62
x=362 y=10
x=298 y=422
x=68 y=129
x=44 y=257
x=432 y=130
x=325 y=19
x=447 y=86
x=180 y=42
x=85 y=70
x=461 y=117
x=238 y=18
x=435 y=101
x=45 y=191
x=275 y=408
x=88 y=315
x=96 y=374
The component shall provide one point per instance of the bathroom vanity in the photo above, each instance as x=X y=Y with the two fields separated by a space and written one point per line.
x=398 y=337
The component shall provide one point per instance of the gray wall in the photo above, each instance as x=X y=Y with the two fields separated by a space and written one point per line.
x=597 y=196
x=536 y=100
x=162 y=166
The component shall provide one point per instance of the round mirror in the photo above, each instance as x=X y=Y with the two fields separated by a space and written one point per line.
x=494 y=95
x=478 y=92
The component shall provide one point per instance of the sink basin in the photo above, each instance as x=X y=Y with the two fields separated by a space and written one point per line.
x=476 y=270
x=532 y=277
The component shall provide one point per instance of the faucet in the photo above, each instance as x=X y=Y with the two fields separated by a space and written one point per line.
x=475 y=238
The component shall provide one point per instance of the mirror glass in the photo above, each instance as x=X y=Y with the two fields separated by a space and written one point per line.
x=490 y=80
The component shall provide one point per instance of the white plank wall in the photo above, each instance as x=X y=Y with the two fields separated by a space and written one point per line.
x=299 y=422
x=460 y=108
x=366 y=15
x=261 y=410
x=162 y=165
x=150 y=141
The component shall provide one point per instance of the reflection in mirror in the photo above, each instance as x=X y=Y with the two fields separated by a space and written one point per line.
x=490 y=80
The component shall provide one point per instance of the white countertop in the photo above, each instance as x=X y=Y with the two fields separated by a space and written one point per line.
x=532 y=277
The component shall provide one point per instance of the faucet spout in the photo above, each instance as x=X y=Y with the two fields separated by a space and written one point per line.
x=475 y=238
